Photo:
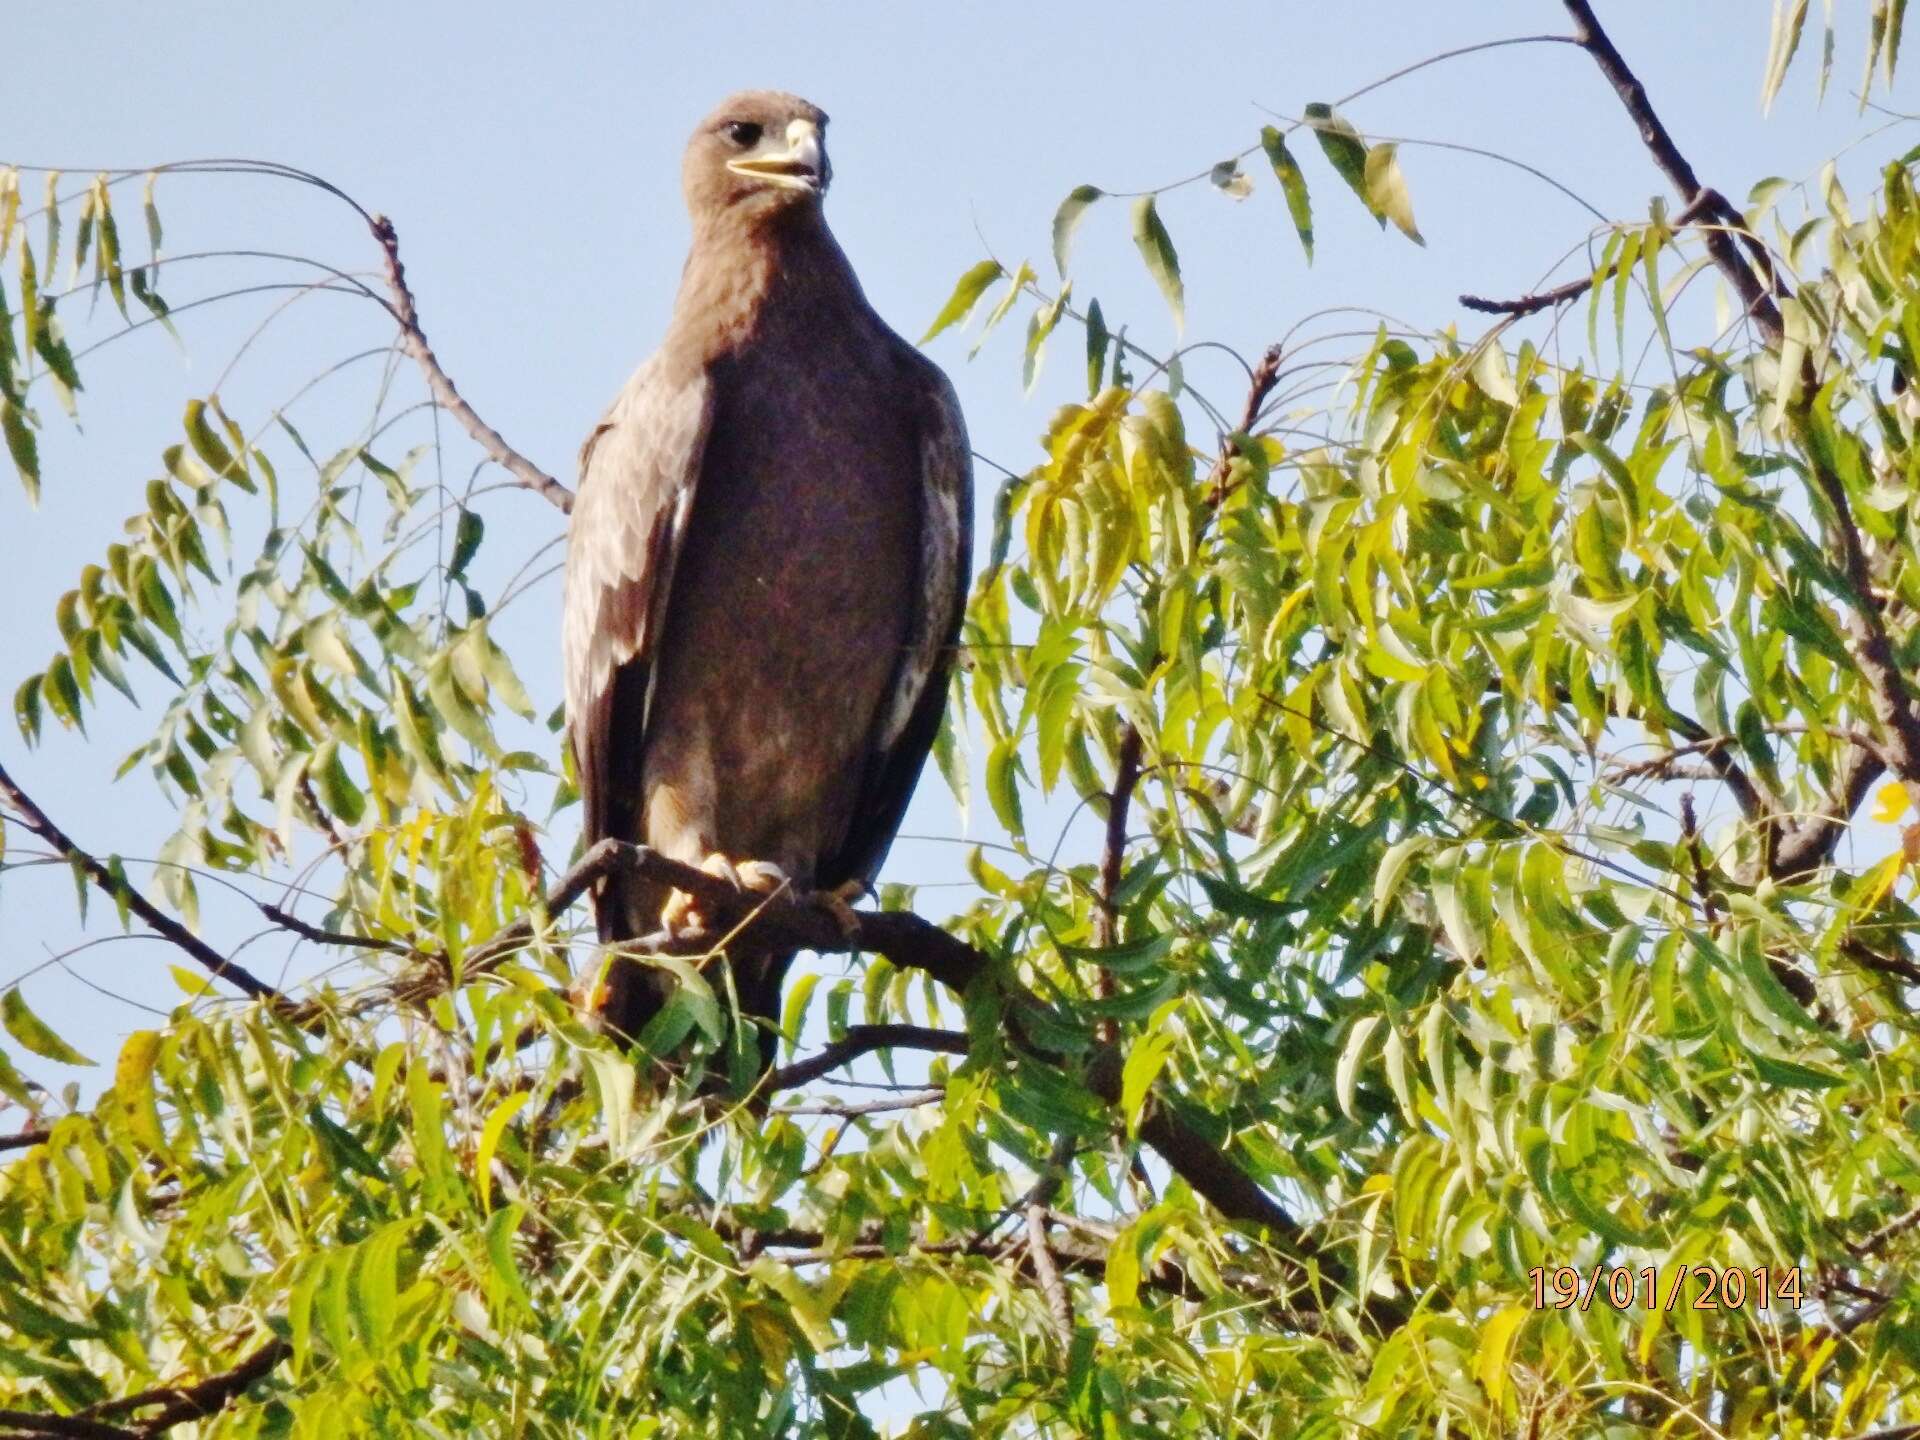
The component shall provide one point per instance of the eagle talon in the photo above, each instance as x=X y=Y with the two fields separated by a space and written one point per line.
x=838 y=902
x=682 y=911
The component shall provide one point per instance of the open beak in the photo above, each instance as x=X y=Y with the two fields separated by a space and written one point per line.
x=801 y=166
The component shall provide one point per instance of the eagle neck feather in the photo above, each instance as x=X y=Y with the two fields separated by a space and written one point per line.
x=741 y=280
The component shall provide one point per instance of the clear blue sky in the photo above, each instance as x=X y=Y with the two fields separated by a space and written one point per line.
x=532 y=166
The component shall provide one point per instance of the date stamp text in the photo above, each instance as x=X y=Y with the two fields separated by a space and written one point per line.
x=1697 y=1287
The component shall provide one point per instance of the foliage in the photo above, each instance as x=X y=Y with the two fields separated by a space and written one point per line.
x=1393 y=682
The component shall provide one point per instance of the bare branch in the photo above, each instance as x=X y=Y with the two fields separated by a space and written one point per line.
x=294 y=923
x=1530 y=304
x=25 y=1139
x=1756 y=295
x=912 y=1100
x=864 y=1040
x=36 y=820
x=1265 y=376
x=414 y=341
x=1046 y=1274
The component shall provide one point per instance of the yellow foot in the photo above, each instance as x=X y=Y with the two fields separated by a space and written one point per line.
x=838 y=902
x=682 y=911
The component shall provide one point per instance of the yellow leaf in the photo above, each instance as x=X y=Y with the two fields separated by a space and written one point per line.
x=1492 y=1358
x=1891 y=801
x=133 y=1083
x=490 y=1134
x=1874 y=885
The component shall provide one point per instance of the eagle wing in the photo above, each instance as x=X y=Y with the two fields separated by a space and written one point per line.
x=909 y=719
x=637 y=480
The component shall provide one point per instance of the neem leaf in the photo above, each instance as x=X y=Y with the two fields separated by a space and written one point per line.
x=24 y=449
x=1345 y=149
x=965 y=296
x=33 y=1032
x=1387 y=190
x=1293 y=182
x=1066 y=218
x=1156 y=248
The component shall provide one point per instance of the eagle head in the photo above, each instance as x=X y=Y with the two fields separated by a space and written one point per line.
x=760 y=153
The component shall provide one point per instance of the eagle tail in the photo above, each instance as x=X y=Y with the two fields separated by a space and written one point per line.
x=635 y=991
x=759 y=979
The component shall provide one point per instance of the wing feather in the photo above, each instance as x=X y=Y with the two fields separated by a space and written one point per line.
x=909 y=719
x=637 y=478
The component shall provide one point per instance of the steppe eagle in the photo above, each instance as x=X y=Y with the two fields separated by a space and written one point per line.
x=767 y=562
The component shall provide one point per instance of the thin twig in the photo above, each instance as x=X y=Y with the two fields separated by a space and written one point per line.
x=319 y=936
x=864 y=1040
x=414 y=341
x=36 y=820
x=912 y=1100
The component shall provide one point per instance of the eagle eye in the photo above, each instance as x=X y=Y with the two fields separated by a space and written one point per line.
x=744 y=133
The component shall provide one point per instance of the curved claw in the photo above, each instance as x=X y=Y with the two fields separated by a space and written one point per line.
x=838 y=902
x=759 y=877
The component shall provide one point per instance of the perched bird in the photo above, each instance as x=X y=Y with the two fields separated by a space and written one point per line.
x=767 y=563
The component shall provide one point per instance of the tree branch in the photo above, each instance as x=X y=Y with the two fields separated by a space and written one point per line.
x=210 y=1396
x=864 y=1040
x=414 y=341
x=1070 y=1255
x=288 y=921
x=912 y=1100
x=25 y=1139
x=801 y=923
x=121 y=893
x=1530 y=304
x=1811 y=844
x=25 y=1425
x=1756 y=296
x=1265 y=376
x=1046 y=1274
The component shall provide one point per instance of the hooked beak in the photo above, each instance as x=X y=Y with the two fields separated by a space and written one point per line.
x=801 y=166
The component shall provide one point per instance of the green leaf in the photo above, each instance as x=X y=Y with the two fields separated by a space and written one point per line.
x=1003 y=790
x=343 y=1151
x=1293 y=184
x=1097 y=339
x=794 y=1013
x=1145 y=1060
x=1346 y=151
x=499 y=1236
x=965 y=296
x=1387 y=190
x=376 y=1282
x=211 y=449
x=1067 y=218
x=1156 y=248
x=33 y=1032
x=26 y=708
x=1351 y=1053
x=490 y=1134
x=23 y=447
x=467 y=535
x=1492 y=373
